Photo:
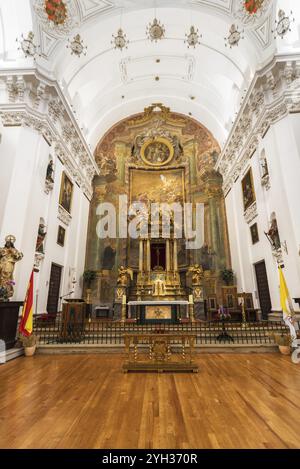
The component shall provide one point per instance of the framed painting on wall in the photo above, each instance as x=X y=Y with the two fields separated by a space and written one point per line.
x=254 y=233
x=248 y=189
x=61 y=233
x=66 y=193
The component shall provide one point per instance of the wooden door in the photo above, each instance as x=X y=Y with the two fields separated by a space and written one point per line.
x=263 y=289
x=54 y=288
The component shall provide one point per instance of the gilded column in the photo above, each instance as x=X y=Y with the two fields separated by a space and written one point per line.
x=148 y=256
x=175 y=255
x=141 y=255
x=168 y=254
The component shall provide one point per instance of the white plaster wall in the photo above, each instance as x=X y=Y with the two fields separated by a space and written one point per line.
x=24 y=157
x=282 y=148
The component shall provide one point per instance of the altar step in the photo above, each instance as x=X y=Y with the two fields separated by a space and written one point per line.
x=276 y=316
x=11 y=354
x=57 y=349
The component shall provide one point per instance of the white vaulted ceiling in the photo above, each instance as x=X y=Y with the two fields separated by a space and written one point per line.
x=107 y=85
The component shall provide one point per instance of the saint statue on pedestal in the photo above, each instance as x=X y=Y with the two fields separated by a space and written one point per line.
x=9 y=255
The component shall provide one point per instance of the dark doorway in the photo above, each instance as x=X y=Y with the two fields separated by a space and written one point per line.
x=54 y=288
x=158 y=256
x=263 y=289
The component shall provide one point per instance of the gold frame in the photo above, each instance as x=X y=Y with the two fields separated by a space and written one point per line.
x=252 y=188
x=160 y=140
x=64 y=176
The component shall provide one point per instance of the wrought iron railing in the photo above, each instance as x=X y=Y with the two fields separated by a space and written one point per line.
x=55 y=331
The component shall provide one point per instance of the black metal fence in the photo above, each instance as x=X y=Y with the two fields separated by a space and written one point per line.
x=55 y=331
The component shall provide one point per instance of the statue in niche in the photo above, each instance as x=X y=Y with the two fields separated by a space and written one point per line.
x=264 y=167
x=125 y=275
x=273 y=235
x=9 y=255
x=40 y=238
x=50 y=171
x=108 y=259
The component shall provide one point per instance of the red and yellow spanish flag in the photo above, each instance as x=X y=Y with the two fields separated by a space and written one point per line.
x=25 y=327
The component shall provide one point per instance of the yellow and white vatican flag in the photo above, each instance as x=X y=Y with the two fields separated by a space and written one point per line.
x=287 y=306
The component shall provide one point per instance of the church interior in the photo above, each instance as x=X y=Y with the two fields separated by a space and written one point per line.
x=149 y=224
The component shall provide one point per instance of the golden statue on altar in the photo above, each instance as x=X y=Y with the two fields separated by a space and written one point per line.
x=159 y=287
x=9 y=255
x=197 y=273
x=124 y=277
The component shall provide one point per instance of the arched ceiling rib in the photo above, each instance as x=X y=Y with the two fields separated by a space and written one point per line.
x=106 y=85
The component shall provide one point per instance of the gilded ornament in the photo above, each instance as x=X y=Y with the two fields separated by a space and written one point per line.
x=157 y=151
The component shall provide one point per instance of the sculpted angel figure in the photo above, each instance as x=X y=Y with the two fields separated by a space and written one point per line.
x=197 y=273
x=125 y=275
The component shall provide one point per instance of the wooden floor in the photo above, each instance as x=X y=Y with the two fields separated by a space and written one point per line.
x=85 y=401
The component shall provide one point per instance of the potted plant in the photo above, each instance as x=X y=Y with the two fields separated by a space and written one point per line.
x=29 y=343
x=227 y=275
x=88 y=277
x=284 y=343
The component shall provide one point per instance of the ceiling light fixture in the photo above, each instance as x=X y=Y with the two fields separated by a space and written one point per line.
x=120 y=41
x=27 y=45
x=155 y=30
x=77 y=46
x=234 y=36
x=193 y=38
x=283 y=25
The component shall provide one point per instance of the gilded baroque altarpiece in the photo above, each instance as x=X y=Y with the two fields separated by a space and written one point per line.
x=157 y=156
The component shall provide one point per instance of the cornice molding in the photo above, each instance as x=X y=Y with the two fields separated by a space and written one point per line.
x=273 y=94
x=29 y=99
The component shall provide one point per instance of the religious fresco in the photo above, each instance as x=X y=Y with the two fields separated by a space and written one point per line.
x=157 y=156
x=157 y=186
x=157 y=151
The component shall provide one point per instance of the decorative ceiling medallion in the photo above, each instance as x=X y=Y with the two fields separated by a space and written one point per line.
x=249 y=12
x=157 y=151
x=252 y=6
x=57 y=17
x=27 y=45
x=120 y=40
x=77 y=46
x=234 y=36
x=155 y=30
x=283 y=25
x=56 y=11
x=193 y=38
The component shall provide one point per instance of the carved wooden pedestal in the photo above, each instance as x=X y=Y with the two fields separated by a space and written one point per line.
x=9 y=313
x=165 y=352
